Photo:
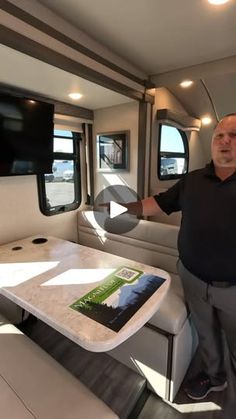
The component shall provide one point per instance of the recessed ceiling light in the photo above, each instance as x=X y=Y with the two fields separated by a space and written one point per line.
x=218 y=2
x=75 y=96
x=186 y=83
x=206 y=120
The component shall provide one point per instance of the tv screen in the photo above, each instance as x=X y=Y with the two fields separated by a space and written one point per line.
x=26 y=136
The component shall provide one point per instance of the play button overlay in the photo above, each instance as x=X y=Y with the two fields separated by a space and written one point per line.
x=116 y=209
x=113 y=216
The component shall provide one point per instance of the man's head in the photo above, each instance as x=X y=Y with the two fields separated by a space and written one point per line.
x=223 y=145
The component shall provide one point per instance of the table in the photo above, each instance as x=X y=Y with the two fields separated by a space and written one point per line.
x=46 y=277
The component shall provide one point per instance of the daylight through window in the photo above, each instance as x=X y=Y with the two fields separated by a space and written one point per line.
x=59 y=191
x=173 y=153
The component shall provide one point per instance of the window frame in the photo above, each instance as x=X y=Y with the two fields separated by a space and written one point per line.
x=112 y=137
x=75 y=157
x=174 y=154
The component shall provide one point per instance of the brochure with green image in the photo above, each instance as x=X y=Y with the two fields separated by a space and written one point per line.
x=118 y=297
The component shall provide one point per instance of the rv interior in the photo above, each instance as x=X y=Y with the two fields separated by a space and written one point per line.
x=127 y=61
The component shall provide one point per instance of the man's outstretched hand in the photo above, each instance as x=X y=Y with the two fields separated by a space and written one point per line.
x=106 y=205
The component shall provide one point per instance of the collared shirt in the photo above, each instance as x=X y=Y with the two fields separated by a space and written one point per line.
x=207 y=237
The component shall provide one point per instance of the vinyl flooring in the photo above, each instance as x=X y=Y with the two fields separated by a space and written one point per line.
x=118 y=386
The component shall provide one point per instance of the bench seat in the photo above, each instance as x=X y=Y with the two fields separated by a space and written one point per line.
x=34 y=385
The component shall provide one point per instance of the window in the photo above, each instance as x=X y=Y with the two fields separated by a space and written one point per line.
x=60 y=191
x=173 y=153
x=112 y=151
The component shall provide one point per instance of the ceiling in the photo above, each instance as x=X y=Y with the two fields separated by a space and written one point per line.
x=154 y=35
x=49 y=81
x=160 y=38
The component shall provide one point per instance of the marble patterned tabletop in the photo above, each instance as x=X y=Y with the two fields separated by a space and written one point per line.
x=46 y=277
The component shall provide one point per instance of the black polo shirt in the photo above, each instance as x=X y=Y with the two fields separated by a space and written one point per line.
x=207 y=237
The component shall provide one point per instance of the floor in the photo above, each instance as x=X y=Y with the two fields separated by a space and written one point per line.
x=118 y=386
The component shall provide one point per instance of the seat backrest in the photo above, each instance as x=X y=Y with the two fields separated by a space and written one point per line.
x=148 y=242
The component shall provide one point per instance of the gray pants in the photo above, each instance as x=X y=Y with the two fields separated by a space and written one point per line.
x=213 y=309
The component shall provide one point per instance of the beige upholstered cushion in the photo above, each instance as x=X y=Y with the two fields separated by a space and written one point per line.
x=32 y=384
x=173 y=312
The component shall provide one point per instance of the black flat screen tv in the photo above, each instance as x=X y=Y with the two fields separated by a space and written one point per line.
x=26 y=136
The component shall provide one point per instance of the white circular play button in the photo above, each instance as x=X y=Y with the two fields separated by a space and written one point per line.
x=109 y=212
x=116 y=209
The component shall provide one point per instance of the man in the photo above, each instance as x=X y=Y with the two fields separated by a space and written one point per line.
x=207 y=254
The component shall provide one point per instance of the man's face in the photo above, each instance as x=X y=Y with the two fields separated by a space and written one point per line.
x=223 y=145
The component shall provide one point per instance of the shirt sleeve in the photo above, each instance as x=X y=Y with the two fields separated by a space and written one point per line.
x=170 y=200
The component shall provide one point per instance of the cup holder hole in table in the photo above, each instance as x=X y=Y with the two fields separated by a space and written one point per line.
x=39 y=240
x=17 y=248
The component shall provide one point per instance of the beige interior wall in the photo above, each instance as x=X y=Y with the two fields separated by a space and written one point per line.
x=165 y=100
x=117 y=118
x=20 y=215
x=198 y=158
